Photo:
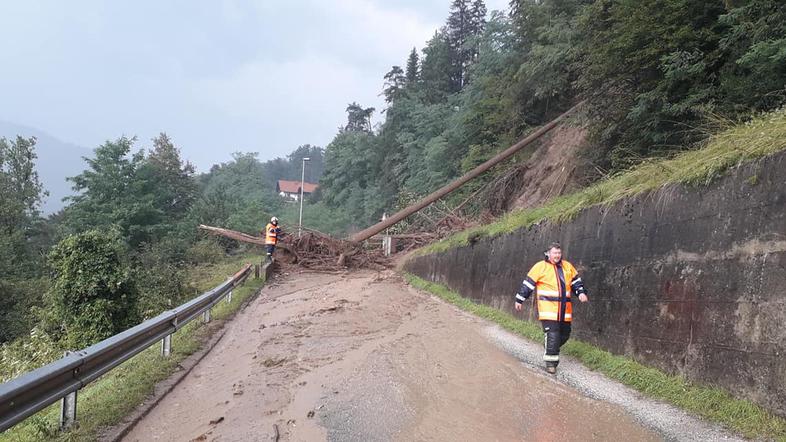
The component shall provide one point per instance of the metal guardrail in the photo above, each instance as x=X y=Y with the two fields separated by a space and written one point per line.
x=33 y=391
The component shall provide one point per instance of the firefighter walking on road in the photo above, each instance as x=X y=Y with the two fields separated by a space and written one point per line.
x=272 y=232
x=555 y=282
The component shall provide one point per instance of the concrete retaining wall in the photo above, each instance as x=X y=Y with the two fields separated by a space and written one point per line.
x=690 y=280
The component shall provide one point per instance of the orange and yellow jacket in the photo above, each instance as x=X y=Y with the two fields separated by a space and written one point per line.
x=554 y=285
x=271 y=234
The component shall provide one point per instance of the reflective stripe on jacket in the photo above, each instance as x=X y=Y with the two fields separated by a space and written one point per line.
x=271 y=234
x=548 y=282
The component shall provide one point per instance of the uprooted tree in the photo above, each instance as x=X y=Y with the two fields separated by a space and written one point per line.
x=316 y=250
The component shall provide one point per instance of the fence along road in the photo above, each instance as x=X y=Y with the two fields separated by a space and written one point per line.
x=35 y=390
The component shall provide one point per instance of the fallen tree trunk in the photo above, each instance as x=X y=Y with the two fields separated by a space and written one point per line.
x=474 y=173
x=240 y=236
x=315 y=250
x=244 y=237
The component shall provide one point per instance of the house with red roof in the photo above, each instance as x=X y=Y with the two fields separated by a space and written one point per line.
x=291 y=189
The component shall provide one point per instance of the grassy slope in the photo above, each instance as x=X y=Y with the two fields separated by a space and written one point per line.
x=760 y=137
x=711 y=403
x=106 y=402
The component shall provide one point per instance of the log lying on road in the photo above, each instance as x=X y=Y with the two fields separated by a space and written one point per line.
x=314 y=250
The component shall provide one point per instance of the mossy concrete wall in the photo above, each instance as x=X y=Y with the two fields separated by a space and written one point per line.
x=691 y=280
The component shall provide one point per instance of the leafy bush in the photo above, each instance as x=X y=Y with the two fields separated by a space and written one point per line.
x=92 y=294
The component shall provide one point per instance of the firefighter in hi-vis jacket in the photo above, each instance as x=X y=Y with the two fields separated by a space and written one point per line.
x=272 y=232
x=554 y=281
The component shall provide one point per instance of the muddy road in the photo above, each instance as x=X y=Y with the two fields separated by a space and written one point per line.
x=364 y=357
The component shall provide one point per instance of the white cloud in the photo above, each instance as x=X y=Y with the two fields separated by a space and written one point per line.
x=309 y=85
x=387 y=31
x=307 y=91
x=361 y=30
x=281 y=105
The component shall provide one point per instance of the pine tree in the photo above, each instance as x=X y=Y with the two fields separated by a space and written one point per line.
x=394 y=83
x=465 y=24
x=458 y=33
x=477 y=17
x=436 y=68
x=477 y=25
x=413 y=67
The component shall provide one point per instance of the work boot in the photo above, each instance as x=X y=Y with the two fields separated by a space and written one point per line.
x=551 y=369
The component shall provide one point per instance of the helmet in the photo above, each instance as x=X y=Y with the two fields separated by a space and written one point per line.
x=274 y=220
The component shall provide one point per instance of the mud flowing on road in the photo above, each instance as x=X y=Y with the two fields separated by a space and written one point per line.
x=364 y=357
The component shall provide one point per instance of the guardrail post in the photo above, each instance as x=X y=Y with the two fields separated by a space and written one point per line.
x=68 y=408
x=166 y=343
x=256 y=271
x=166 y=346
x=206 y=316
x=229 y=297
x=68 y=411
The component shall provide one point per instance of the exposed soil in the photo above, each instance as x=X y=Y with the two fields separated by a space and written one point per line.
x=554 y=169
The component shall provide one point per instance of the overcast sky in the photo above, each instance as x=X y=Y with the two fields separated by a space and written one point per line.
x=217 y=76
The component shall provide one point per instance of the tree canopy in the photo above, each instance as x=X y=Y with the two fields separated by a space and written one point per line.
x=656 y=75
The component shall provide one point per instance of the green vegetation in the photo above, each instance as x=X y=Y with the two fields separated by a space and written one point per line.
x=107 y=401
x=137 y=212
x=654 y=73
x=92 y=291
x=763 y=135
x=20 y=196
x=240 y=194
x=711 y=403
x=651 y=72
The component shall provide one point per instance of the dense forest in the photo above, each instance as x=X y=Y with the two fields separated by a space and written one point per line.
x=657 y=75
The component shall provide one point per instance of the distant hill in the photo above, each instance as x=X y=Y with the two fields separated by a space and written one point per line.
x=56 y=161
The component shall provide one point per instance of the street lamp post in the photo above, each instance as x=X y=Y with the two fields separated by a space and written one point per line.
x=302 y=181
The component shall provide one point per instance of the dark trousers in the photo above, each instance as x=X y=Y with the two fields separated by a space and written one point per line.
x=270 y=249
x=556 y=335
